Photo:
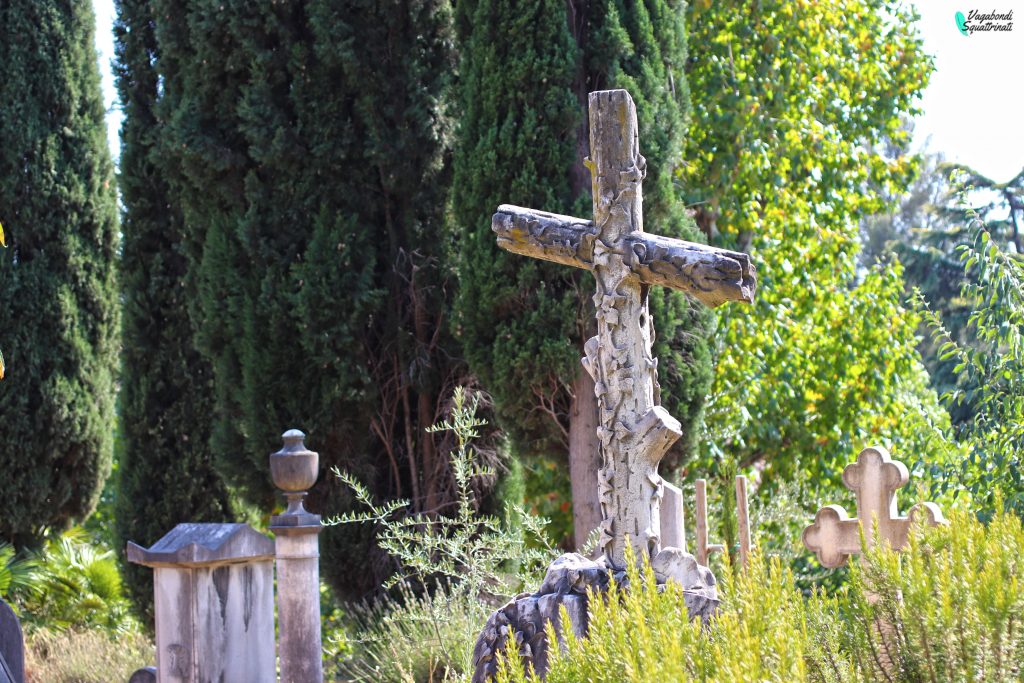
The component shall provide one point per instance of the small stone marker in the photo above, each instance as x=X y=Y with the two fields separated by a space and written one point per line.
x=673 y=519
x=145 y=675
x=743 y=520
x=213 y=586
x=875 y=477
x=12 y=646
x=294 y=469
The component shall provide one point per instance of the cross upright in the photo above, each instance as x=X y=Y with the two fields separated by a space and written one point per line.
x=875 y=477
x=634 y=431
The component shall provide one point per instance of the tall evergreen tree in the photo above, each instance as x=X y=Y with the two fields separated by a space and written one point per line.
x=58 y=278
x=522 y=140
x=308 y=143
x=165 y=468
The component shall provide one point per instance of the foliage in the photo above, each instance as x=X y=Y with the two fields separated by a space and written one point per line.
x=940 y=213
x=165 y=471
x=58 y=274
x=481 y=555
x=465 y=564
x=89 y=656
x=16 y=573
x=307 y=145
x=781 y=160
x=958 y=619
x=991 y=370
x=642 y=633
x=522 y=139
x=953 y=600
x=76 y=585
x=398 y=640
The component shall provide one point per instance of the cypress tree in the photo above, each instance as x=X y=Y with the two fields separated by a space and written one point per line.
x=58 y=276
x=522 y=139
x=307 y=144
x=165 y=469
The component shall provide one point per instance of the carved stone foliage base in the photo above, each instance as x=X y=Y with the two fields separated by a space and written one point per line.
x=525 y=617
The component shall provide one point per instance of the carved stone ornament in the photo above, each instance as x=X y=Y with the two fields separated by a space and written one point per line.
x=634 y=431
x=875 y=477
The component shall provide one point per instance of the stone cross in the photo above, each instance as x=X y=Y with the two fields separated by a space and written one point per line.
x=834 y=537
x=633 y=429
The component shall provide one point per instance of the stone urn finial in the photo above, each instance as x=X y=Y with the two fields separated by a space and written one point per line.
x=294 y=470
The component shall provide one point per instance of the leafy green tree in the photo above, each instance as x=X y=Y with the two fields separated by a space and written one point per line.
x=165 y=469
x=523 y=135
x=990 y=367
x=936 y=216
x=783 y=159
x=307 y=144
x=58 y=276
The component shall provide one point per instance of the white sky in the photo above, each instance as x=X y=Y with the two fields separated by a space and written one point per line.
x=973 y=106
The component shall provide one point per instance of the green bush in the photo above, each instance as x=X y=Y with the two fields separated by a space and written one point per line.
x=74 y=584
x=959 y=618
x=412 y=639
x=452 y=572
x=990 y=375
x=77 y=656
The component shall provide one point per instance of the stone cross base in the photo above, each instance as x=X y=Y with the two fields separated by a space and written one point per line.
x=525 y=617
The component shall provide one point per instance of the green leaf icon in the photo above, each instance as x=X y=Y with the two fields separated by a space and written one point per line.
x=961 y=22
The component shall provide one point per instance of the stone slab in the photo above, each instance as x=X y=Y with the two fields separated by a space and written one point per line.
x=12 y=646
x=195 y=544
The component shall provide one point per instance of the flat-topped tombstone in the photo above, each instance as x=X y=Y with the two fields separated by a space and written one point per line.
x=213 y=586
x=875 y=478
x=12 y=646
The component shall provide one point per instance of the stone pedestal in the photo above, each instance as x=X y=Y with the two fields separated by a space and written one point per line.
x=213 y=586
x=294 y=470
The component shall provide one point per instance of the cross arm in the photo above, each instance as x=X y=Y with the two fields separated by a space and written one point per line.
x=711 y=275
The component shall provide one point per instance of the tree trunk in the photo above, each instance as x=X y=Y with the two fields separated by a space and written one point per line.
x=584 y=458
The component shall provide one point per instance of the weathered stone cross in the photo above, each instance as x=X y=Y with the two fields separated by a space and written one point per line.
x=834 y=537
x=634 y=430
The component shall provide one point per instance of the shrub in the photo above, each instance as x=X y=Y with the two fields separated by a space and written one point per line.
x=989 y=371
x=452 y=572
x=415 y=638
x=958 y=619
x=76 y=656
x=75 y=585
x=961 y=609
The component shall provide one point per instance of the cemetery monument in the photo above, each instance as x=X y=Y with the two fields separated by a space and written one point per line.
x=633 y=429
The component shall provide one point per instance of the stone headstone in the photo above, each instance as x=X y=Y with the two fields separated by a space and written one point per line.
x=12 y=646
x=673 y=521
x=146 y=675
x=874 y=478
x=213 y=586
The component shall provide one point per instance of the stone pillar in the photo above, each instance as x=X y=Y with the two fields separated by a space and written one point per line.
x=213 y=587
x=294 y=470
